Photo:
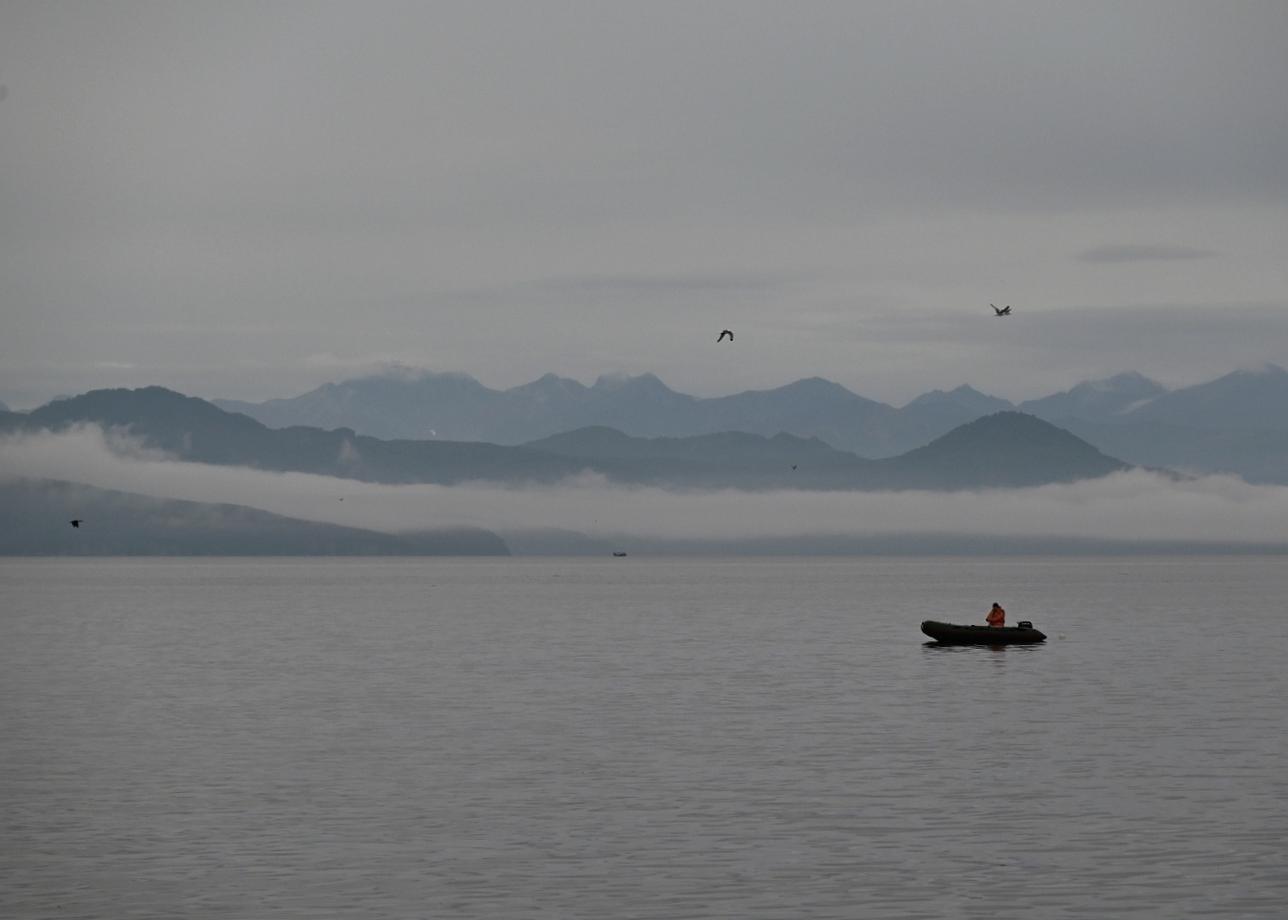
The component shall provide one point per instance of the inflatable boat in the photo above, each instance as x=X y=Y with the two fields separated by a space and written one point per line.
x=954 y=634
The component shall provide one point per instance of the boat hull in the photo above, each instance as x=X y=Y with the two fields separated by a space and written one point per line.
x=955 y=634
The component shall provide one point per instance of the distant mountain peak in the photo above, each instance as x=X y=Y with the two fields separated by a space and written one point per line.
x=1010 y=420
x=1131 y=377
x=613 y=382
x=819 y=385
x=148 y=410
x=157 y=395
x=1011 y=448
x=550 y=384
x=1244 y=400
x=1007 y=428
x=1128 y=380
x=964 y=396
x=414 y=403
x=1266 y=369
x=1100 y=400
x=1269 y=377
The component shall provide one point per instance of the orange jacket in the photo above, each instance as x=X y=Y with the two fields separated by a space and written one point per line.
x=996 y=617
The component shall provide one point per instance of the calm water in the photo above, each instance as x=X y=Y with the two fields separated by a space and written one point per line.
x=641 y=738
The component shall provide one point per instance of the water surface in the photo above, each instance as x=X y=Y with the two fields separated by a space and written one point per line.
x=641 y=738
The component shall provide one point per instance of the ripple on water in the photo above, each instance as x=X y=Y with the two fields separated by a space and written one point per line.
x=712 y=738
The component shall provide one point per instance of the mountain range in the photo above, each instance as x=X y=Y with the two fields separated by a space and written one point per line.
x=1005 y=449
x=1235 y=424
x=458 y=407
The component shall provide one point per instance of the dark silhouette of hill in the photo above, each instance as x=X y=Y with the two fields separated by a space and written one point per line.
x=34 y=515
x=1003 y=450
x=193 y=429
x=938 y=412
x=1007 y=449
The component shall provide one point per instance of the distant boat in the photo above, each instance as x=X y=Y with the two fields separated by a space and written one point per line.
x=954 y=634
x=619 y=555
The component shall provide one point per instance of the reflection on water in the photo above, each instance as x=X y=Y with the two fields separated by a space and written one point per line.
x=1017 y=647
x=577 y=739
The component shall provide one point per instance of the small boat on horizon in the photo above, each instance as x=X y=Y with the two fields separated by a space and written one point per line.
x=619 y=555
x=957 y=634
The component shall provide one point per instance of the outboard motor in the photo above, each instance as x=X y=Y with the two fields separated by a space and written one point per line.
x=1025 y=624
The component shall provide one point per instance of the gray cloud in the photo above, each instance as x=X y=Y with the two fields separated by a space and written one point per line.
x=214 y=193
x=661 y=285
x=1143 y=253
x=1136 y=505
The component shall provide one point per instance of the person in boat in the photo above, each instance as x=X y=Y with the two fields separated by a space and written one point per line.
x=996 y=616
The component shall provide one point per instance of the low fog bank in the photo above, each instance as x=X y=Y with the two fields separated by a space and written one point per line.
x=569 y=543
x=1133 y=506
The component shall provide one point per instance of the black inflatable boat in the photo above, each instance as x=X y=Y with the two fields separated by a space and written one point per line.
x=953 y=634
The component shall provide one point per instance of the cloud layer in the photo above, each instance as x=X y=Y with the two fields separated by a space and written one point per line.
x=1140 y=252
x=246 y=200
x=1131 y=506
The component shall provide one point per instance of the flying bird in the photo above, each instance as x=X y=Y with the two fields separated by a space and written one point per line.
x=75 y=523
x=1001 y=311
x=724 y=333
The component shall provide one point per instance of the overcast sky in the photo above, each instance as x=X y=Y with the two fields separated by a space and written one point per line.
x=248 y=199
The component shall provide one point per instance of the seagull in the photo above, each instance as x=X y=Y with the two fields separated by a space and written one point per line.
x=1001 y=311
x=793 y=466
x=724 y=333
x=75 y=523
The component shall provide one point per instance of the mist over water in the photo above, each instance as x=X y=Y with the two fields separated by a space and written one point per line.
x=642 y=738
x=1131 y=506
